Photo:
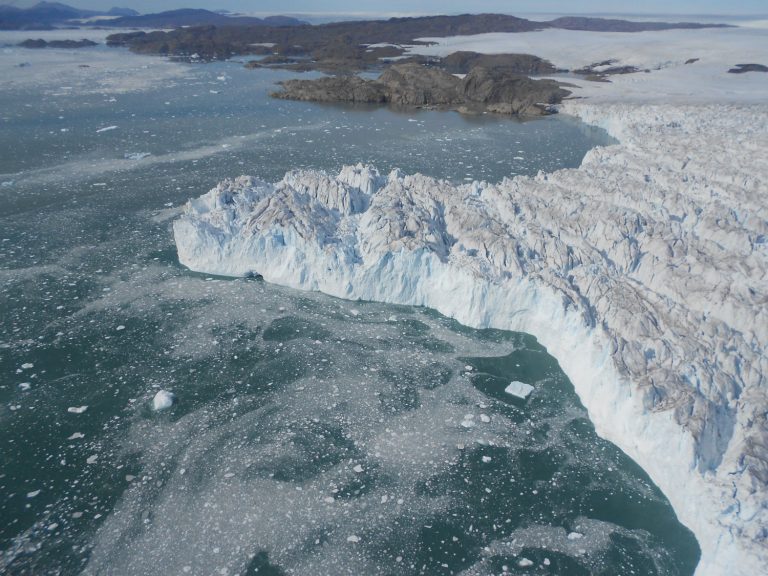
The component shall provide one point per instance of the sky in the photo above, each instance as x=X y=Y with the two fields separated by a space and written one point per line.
x=676 y=7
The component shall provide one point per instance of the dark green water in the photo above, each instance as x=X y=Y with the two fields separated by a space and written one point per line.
x=310 y=435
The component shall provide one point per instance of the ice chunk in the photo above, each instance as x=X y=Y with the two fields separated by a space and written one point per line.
x=524 y=563
x=92 y=459
x=25 y=386
x=76 y=436
x=163 y=400
x=575 y=536
x=358 y=468
x=354 y=539
x=77 y=409
x=33 y=493
x=519 y=389
x=106 y=129
x=27 y=366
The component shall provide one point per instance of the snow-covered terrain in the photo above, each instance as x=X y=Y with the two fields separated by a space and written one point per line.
x=644 y=271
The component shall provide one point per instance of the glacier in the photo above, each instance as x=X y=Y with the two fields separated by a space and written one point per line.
x=643 y=271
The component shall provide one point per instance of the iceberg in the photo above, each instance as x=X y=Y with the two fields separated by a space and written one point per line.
x=163 y=400
x=519 y=389
x=643 y=271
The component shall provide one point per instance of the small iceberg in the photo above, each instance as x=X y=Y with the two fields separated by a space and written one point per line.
x=519 y=389
x=163 y=400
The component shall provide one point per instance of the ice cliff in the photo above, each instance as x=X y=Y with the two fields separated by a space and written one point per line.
x=643 y=272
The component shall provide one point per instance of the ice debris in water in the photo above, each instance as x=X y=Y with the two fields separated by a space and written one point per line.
x=136 y=155
x=519 y=389
x=163 y=400
x=77 y=409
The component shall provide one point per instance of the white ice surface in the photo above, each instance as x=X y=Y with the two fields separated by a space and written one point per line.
x=644 y=271
x=575 y=48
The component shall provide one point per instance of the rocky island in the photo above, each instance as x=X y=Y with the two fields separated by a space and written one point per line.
x=40 y=43
x=413 y=85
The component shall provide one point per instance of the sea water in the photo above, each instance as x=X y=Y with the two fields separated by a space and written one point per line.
x=307 y=435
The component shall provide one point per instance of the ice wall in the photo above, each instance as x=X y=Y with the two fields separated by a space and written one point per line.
x=643 y=272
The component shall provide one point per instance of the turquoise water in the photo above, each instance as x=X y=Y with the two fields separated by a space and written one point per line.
x=310 y=435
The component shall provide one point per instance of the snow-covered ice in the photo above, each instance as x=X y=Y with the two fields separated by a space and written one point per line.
x=163 y=400
x=77 y=409
x=643 y=271
x=519 y=389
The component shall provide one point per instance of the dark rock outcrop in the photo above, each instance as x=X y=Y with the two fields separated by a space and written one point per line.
x=462 y=62
x=494 y=90
x=40 y=43
x=742 y=68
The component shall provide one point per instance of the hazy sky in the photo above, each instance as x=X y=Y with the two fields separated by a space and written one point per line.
x=732 y=7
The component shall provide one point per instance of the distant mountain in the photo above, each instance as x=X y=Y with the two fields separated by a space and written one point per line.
x=197 y=17
x=41 y=16
x=608 y=25
x=116 y=11
x=47 y=15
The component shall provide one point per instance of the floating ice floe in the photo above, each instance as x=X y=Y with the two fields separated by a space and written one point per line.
x=163 y=400
x=519 y=389
x=106 y=129
x=77 y=409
